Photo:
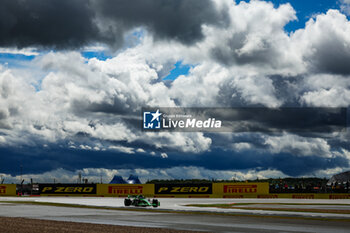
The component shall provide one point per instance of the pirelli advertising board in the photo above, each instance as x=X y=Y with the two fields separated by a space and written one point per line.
x=178 y=189
x=67 y=189
x=7 y=190
x=122 y=190
x=235 y=190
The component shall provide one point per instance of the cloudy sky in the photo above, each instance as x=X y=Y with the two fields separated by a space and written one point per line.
x=74 y=75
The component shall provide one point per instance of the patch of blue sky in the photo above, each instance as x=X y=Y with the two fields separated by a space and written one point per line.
x=37 y=85
x=139 y=33
x=134 y=38
x=100 y=55
x=22 y=65
x=305 y=9
x=131 y=40
x=180 y=69
x=15 y=60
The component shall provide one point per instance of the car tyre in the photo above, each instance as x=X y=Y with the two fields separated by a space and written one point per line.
x=127 y=202
x=155 y=203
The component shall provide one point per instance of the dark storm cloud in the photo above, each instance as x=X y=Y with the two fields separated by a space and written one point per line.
x=330 y=56
x=38 y=161
x=167 y=19
x=287 y=163
x=299 y=166
x=64 y=24
x=46 y=23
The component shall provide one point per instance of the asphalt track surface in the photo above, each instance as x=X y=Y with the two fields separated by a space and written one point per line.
x=187 y=218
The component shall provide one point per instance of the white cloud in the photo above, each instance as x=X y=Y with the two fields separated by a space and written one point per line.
x=140 y=150
x=324 y=43
x=23 y=51
x=254 y=174
x=298 y=146
x=94 y=98
x=326 y=90
x=241 y=146
x=334 y=97
x=257 y=90
x=256 y=39
x=328 y=172
x=186 y=142
x=95 y=48
x=343 y=153
x=345 y=6
x=123 y=149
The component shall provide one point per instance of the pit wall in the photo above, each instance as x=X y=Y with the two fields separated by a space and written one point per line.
x=7 y=190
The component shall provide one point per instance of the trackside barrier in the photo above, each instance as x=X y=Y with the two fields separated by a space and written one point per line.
x=185 y=190
x=313 y=195
x=7 y=190
x=293 y=196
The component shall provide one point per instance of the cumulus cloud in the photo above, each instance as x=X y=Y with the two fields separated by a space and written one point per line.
x=255 y=38
x=334 y=97
x=98 y=100
x=325 y=90
x=239 y=53
x=325 y=43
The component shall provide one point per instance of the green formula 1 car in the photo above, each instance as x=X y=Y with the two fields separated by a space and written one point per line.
x=139 y=200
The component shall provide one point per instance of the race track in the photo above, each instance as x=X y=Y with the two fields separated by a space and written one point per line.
x=189 y=218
